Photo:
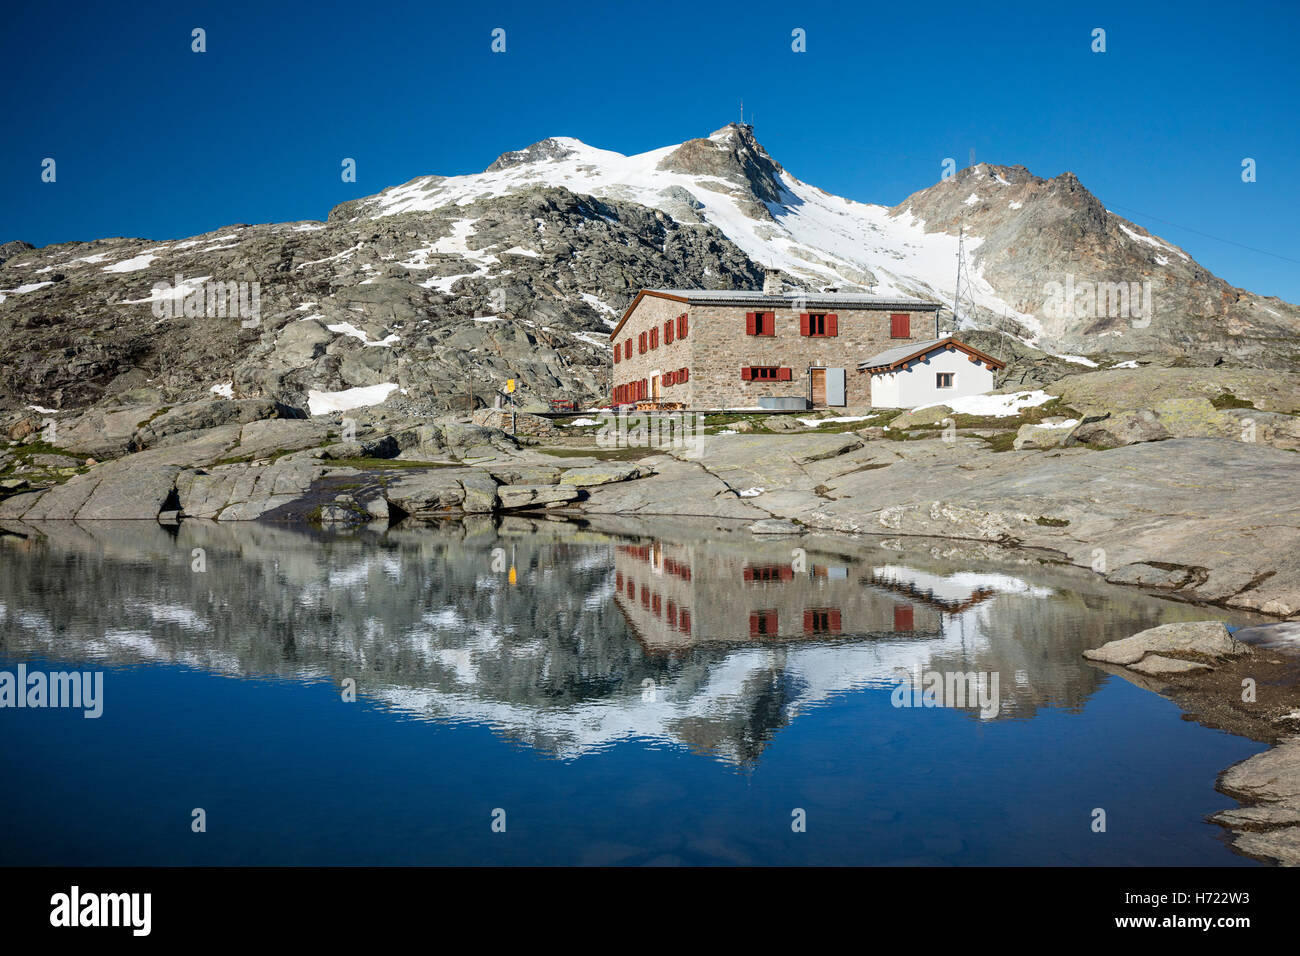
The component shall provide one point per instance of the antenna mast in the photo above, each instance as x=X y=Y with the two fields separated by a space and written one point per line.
x=962 y=294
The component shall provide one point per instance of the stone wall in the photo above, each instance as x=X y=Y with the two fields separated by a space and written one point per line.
x=653 y=312
x=525 y=424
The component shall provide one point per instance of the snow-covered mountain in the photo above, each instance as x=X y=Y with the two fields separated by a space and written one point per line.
x=1022 y=233
x=441 y=288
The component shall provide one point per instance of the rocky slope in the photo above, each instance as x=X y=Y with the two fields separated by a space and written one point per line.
x=428 y=295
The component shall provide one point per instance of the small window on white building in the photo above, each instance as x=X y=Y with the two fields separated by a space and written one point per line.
x=943 y=379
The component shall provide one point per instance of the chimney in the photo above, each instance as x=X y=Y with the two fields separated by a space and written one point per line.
x=772 y=283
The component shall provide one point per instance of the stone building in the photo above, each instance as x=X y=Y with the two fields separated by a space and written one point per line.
x=704 y=349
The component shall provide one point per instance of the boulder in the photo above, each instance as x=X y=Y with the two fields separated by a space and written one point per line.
x=600 y=474
x=344 y=509
x=1046 y=434
x=260 y=439
x=104 y=432
x=302 y=342
x=436 y=491
x=200 y=416
x=932 y=415
x=514 y=497
x=1208 y=639
x=1120 y=428
x=480 y=493
x=1269 y=782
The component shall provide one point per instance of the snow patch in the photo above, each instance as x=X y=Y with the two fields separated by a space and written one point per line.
x=322 y=403
x=997 y=406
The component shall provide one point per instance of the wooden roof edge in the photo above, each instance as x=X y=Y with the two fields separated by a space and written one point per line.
x=943 y=343
x=627 y=314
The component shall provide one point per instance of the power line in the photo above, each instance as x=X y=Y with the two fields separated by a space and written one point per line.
x=1230 y=242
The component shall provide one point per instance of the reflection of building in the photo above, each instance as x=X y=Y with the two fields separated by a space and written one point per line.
x=672 y=601
x=714 y=643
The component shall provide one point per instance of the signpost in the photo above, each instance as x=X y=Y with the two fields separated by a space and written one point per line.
x=510 y=390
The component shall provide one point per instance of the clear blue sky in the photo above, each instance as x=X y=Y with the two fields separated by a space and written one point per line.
x=153 y=140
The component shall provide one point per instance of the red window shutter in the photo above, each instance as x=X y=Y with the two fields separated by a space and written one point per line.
x=751 y=325
x=746 y=374
x=808 y=624
x=803 y=323
x=834 y=615
x=753 y=625
x=900 y=326
x=627 y=349
x=786 y=573
x=616 y=351
x=681 y=326
x=668 y=332
x=783 y=375
x=748 y=573
x=832 y=324
x=684 y=621
x=686 y=375
x=672 y=614
x=654 y=337
x=770 y=622
x=902 y=617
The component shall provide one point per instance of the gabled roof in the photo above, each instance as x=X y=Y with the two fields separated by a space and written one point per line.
x=896 y=358
x=744 y=298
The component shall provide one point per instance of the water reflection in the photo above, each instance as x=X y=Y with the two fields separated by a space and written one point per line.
x=567 y=638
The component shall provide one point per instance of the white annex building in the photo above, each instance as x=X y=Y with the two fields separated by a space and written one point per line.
x=926 y=373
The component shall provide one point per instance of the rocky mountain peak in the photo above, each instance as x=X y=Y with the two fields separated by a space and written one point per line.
x=731 y=154
x=551 y=148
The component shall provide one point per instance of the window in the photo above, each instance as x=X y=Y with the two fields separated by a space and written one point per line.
x=618 y=353
x=819 y=324
x=668 y=332
x=900 y=326
x=762 y=623
x=823 y=620
x=654 y=337
x=640 y=343
x=681 y=326
x=683 y=375
x=760 y=323
x=627 y=349
x=765 y=373
x=943 y=379
x=768 y=572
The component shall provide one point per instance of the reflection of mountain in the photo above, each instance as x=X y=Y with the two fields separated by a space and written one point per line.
x=708 y=642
